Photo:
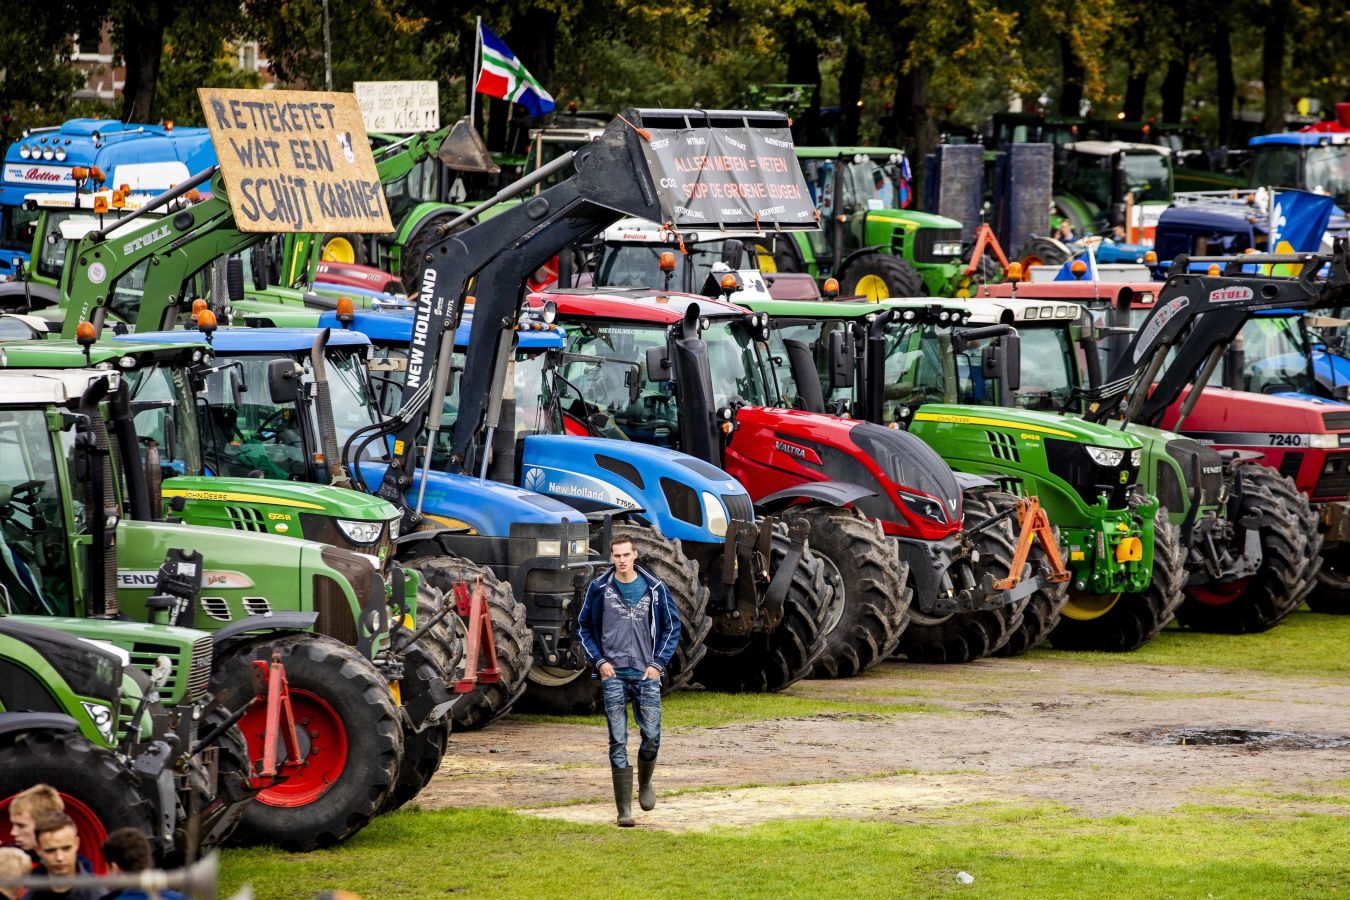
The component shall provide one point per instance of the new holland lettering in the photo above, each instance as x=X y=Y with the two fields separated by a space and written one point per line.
x=421 y=323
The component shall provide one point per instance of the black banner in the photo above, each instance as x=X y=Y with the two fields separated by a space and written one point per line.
x=729 y=178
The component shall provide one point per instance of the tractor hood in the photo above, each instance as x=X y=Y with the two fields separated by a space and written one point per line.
x=911 y=218
x=1222 y=414
x=1034 y=422
x=486 y=507
x=294 y=496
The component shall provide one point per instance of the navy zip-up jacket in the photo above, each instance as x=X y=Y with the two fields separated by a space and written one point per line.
x=665 y=619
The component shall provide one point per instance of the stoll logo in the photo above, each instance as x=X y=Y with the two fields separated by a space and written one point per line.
x=1230 y=295
x=790 y=449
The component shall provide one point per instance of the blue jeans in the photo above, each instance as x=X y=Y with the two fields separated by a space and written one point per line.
x=645 y=695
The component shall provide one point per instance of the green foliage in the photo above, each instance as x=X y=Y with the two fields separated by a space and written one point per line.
x=36 y=78
x=1012 y=852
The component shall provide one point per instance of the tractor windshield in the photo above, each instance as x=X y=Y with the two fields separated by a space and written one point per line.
x=815 y=335
x=921 y=368
x=163 y=408
x=598 y=392
x=638 y=265
x=35 y=574
x=870 y=184
x=1276 y=355
x=738 y=370
x=1147 y=176
x=1329 y=171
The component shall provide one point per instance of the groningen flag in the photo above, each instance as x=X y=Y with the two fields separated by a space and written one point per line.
x=501 y=75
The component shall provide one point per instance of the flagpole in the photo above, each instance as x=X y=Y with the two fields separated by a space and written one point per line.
x=473 y=73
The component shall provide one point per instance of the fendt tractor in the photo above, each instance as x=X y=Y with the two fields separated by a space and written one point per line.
x=322 y=608
x=1251 y=539
x=928 y=366
x=145 y=158
x=867 y=240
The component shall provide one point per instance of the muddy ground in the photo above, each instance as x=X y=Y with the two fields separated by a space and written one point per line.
x=1098 y=739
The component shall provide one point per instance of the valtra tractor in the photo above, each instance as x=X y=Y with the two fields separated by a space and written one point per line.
x=1250 y=537
x=322 y=608
x=922 y=366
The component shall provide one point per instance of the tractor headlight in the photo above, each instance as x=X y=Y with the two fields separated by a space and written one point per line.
x=1324 y=441
x=1137 y=458
x=715 y=514
x=1105 y=456
x=947 y=248
x=394 y=525
x=103 y=719
x=24 y=152
x=926 y=507
x=48 y=153
x=361 y=532
x=60 y=154
x=548 y=548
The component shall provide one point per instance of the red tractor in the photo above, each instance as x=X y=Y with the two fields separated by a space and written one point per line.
x=690 y=372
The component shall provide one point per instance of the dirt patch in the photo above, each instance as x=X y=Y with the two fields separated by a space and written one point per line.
x=1025 y=731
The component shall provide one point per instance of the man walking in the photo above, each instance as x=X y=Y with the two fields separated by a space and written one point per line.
x=629 y=628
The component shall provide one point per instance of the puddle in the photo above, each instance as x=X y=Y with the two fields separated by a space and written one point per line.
x=1243 y=738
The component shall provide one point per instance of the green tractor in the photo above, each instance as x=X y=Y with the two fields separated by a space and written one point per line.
x=867 y=241
x=920 y=366
x=322 y=609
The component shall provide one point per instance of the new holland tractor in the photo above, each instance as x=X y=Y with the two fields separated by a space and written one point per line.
x=1251 y=539
x=868 y=241
x=322 y=609
x=930 y=367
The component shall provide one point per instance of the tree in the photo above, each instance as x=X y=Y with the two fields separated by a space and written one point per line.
x=36 y=77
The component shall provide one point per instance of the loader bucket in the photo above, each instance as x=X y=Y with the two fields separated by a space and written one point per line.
x=464 y=151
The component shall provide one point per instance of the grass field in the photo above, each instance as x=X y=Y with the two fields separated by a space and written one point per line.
x=1043 y=852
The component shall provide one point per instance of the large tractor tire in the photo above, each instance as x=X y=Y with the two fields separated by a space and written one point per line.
x=1044 y=607
x=511 y=635
x=963 y=637
x=411 y=258
x=1126 y=621
x=349 y=734
x=343 y=248
x=1290 y=559
x=878 y=276
x=1332 y=594
x=554 y=691
x=434 y=659
x=666 y=560
x=870 y=604
x=775 y=660
x=1042 y=251
x=99 y=791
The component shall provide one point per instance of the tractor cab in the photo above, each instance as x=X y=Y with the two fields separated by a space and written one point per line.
x=1309 y=161
x=1099 y=184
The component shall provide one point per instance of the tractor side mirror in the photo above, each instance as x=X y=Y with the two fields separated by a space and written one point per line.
x=283 y=381
x=658 y=364
x=733 y=251
x=1004 y=362
x=261 y=263
x=841 y=359
x=632 y=380
x=234 y=279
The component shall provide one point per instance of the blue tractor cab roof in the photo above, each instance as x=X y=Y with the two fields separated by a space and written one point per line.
x=394 y=326
x=1302 y=138
x=254 y=340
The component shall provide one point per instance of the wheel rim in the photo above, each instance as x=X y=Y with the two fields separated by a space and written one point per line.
x=766 y=261
x=872 y=287
x=1085 y=607
x=835 y=613
x=339 y=249
x=552 y=676
x=1218 y=594
x=322 y=737
x=87 y=825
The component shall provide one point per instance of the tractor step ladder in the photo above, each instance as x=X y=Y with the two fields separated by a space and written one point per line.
x=1033 y=523
x=474 y=608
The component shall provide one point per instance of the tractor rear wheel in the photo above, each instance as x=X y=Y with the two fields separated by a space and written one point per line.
x=99 y=791
x=411 y=261
x=870 y=604
x=1044 y=607
x=510 y=634
x=349 y=734
x=772 y=661
x=878 y=276
x=1290 y=559
x=1123 y=622
x=666 y=560
x=434 y=659
x=1042 y=251
x=962 y=637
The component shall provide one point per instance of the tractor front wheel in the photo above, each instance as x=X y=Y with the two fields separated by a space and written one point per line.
x=1332 y=594
x=772 y=661
x=878 y=276
x=349 y=739
x=965 y=636
x=870 y=604
x=343 y=248
x=411 y=259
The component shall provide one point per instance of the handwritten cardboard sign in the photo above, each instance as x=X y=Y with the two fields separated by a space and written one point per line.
x=399 y=107
x=295 y=161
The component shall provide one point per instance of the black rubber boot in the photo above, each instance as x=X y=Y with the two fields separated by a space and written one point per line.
x=623 y=795
x=646 y=794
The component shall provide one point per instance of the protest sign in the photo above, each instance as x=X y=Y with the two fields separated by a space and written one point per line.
x=399 y=107
x=295 y=161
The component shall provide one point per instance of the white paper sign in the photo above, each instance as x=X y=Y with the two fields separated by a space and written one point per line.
x=399 y=107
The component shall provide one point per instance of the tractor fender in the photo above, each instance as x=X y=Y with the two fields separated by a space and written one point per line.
x=37 y=296
x=968 y=482
x=281 y=621
x=12 y=722
x=831 y=493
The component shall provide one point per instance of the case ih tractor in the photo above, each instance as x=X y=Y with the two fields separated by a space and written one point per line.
x=928 y=366
x=867 y=241
x=1251 y=538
